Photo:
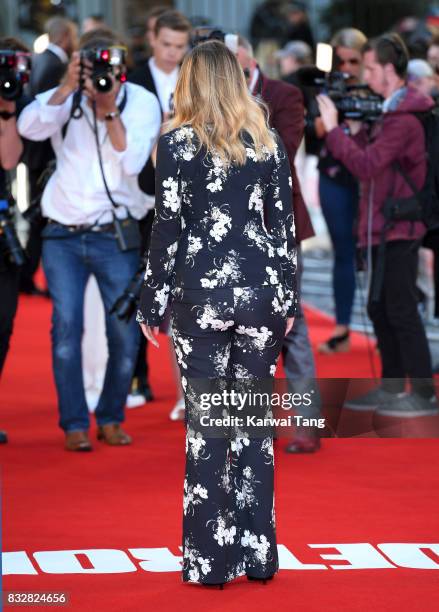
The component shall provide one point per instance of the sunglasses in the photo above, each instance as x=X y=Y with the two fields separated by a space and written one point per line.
x=353 y=61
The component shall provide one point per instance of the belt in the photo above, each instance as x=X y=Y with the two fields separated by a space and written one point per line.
x=105 y=227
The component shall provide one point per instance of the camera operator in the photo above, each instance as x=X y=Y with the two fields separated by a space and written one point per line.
x=11 y=150
x=85 y=234
x=380 y=156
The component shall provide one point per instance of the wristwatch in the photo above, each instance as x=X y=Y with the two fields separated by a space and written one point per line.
x=111 y=116
x=4 y=114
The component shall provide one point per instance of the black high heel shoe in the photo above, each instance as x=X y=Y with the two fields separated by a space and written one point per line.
x=263 y=580
x=220 y=585
x=336 y=344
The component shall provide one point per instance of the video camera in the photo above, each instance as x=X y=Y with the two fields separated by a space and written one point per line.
x=106 y=62
x=8 y=235
x=356 y=102
x=14 y=73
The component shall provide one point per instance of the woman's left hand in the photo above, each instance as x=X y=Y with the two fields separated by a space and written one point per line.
x=149 y=332
x=290 y=323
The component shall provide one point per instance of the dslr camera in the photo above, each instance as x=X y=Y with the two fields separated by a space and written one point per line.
x=15 y=69
x=106 y=62
x=9 y=243
x=353 y=101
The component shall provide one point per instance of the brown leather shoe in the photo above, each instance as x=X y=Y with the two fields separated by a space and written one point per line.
x=114 y=435
x=77 y=441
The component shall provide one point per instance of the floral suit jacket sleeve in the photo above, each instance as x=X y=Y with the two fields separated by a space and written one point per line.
x=280 y=222
x=166 y=230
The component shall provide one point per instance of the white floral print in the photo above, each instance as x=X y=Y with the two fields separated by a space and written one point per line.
x=193 y=496
x=224 y=529
x=259 y=338
x=258 y=547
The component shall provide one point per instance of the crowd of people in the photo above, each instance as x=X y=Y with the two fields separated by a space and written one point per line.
x=92 y=136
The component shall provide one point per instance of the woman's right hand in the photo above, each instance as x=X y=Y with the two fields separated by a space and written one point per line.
x=290 y=323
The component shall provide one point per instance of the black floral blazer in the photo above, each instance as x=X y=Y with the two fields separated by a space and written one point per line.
x=218 y=226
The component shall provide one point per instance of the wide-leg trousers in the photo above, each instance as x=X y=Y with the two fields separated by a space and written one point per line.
x=228 y=498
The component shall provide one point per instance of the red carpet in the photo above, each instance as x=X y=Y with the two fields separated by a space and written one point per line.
x=355 y=491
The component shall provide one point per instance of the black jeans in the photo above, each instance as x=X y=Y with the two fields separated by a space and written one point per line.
x=398 y=326
x=9 y=282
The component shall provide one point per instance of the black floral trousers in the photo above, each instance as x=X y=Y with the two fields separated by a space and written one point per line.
x=228 y=334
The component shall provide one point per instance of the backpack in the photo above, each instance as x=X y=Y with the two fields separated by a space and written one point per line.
x=424 y=204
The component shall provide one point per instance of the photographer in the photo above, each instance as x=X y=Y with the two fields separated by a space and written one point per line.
x=380 y=156
x=100 y=147
x=11 y=150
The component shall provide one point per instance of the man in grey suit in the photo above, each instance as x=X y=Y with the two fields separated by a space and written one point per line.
x=49 y=67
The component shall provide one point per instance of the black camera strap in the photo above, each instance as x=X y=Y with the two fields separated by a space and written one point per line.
x=127 y=230
x=98 y=146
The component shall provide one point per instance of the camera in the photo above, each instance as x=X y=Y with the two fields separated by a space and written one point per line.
x=8 y=236
x=14 y=73
x=126 y=305
x=106 y=62
x=356 y=102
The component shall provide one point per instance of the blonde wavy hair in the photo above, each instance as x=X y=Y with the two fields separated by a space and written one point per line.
x=213 y=98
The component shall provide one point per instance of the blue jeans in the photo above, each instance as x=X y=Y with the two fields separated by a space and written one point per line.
x=339 y=206
x=68 y=262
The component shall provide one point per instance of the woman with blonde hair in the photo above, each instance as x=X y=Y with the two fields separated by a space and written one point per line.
x=223 y=254
x=339 y=195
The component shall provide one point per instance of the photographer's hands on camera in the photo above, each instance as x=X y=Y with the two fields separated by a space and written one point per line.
x=78 y=75
x=329 y=116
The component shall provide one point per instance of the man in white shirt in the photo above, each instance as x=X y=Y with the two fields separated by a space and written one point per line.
x=169 y=43
x=80 y=236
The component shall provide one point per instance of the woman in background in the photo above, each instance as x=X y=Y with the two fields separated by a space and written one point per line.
x=339 y=200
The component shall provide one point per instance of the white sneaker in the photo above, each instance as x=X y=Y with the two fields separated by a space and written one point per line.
x=135 y=400
x=177 y=413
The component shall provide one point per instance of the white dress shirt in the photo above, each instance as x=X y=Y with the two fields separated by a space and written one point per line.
x=165 y=83
x=75 y=193
x=253 y=81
